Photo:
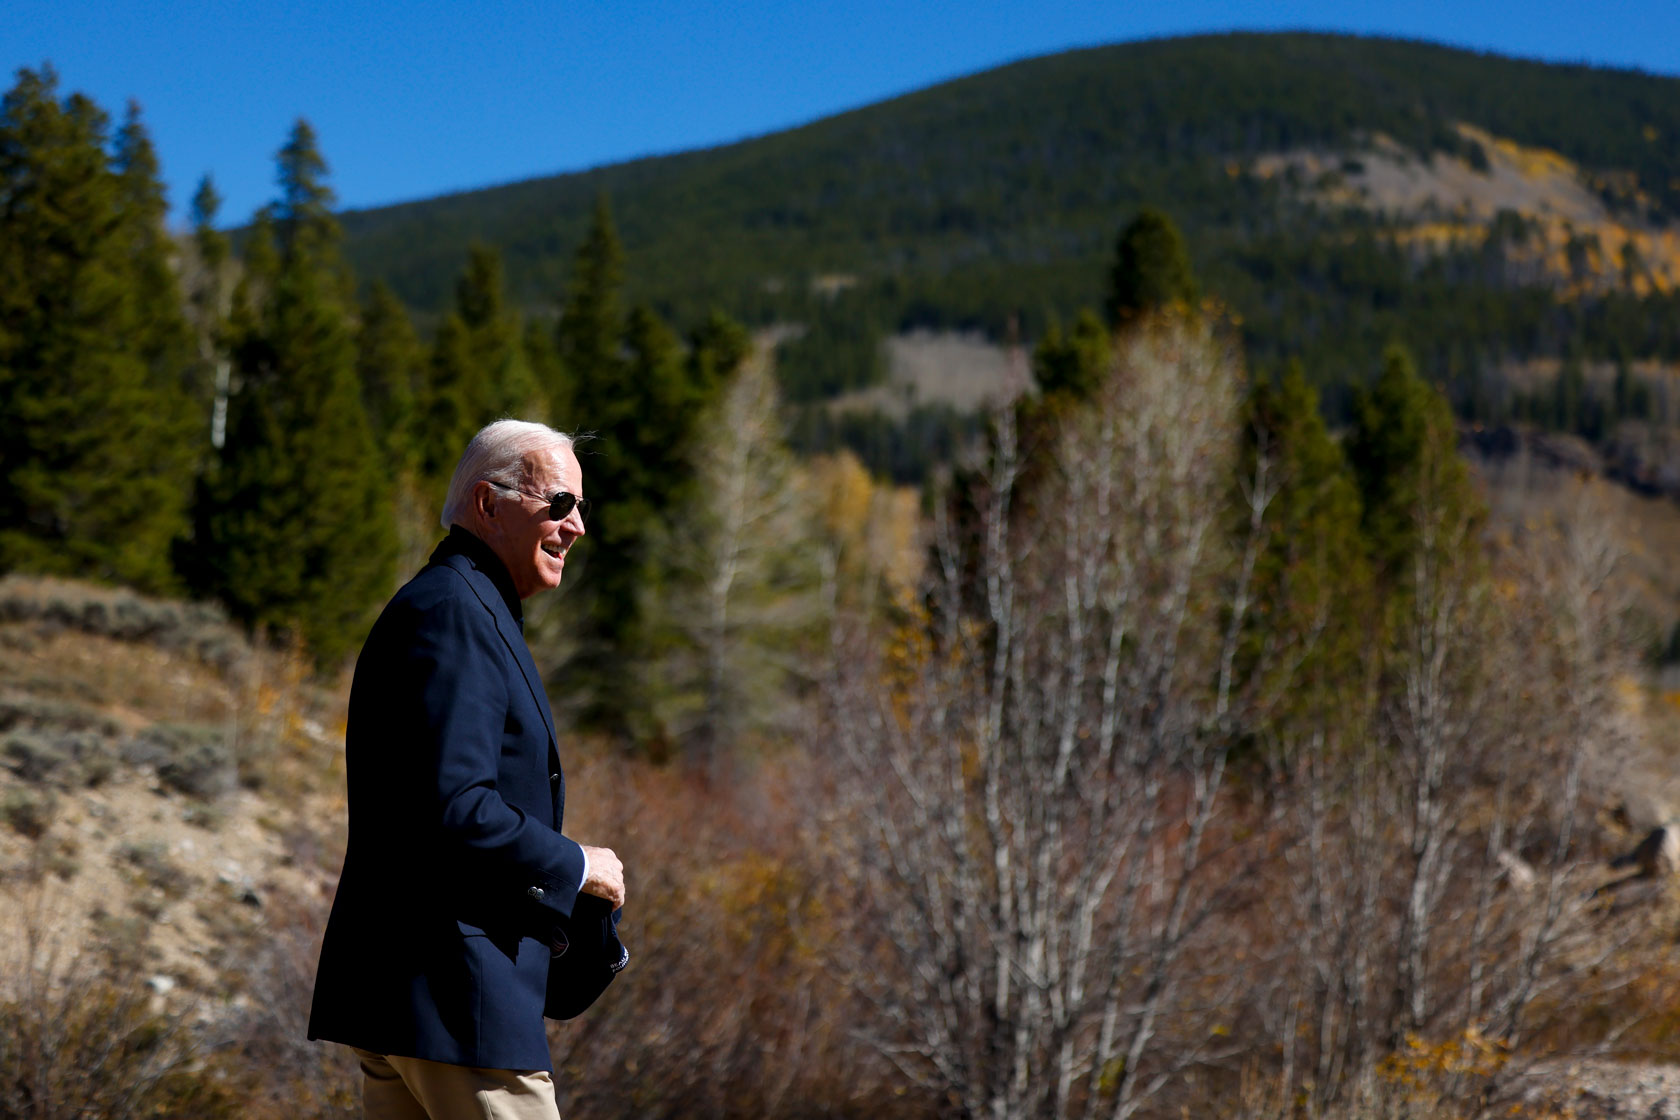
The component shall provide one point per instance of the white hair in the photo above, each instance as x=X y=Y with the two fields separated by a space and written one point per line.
x=499 y=454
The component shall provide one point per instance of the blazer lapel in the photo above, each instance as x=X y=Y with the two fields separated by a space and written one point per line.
x=514 y=638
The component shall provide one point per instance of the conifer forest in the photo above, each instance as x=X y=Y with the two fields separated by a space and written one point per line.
x=1103 y=598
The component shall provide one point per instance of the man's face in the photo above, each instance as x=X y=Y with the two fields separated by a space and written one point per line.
x=518 y=528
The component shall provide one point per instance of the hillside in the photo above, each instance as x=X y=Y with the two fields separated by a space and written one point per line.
x=999 y=195
x=172 y=819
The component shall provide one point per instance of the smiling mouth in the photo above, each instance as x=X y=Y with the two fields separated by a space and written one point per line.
x=555 y=551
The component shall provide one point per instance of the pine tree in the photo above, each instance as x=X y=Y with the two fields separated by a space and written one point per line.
x=632 y=388
x=493 y=341
x=94 y=453
x=164 y=340
x=635 y=467
x=1073 y=365
x=477 y=371
x=1151 y=268
x=213 y=245
x=451 y=404
x=208 y=293
x=717 y=350
x=1311 y=580
x=1413 y=485
x=390 y=364
x=593 y=384
x=163 y=336
x=302 y=526
x=591 y=327
x=543 y=356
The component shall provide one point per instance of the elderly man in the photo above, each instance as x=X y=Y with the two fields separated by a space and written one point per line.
x=458 y=888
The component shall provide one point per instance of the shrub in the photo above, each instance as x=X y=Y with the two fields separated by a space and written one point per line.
x=29 y=812
x=69 y=756
x=78 y=1038
x=33 y=757
x=158 y=870
x=32 y=713
x=191 y=758
x=200 y=630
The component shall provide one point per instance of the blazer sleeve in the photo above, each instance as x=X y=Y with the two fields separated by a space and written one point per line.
x=456 y=663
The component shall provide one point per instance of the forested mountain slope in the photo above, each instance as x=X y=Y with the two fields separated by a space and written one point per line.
x=997 y=196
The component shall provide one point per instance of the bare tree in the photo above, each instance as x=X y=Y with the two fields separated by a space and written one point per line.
x=1436 y=886
x=1065 y=909
x=743 y=581
x=1036 y=763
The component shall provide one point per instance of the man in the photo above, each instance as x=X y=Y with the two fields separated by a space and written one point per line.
x=458 y=888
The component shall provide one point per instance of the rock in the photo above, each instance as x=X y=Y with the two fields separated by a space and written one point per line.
x=161 y=984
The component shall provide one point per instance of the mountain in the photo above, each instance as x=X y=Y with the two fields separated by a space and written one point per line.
x=1337 y=192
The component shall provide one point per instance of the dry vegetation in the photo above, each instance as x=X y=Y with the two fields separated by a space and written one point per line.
x=1446 y=203
x=1046 y=838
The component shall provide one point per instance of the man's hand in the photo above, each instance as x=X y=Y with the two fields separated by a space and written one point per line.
x=606 y=875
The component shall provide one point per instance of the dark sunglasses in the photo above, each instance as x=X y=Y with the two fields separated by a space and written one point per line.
x=560 y=503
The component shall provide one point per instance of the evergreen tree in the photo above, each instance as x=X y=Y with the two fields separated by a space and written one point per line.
x=207 y=304
x=543 y=356
x=1310 y=614
x=302 y=527
x=1151 y=268
x=630 y=386
x=591 y=328
x=94 y=453
x=717 y=349
x=1412 y=482
x=493 y=341
x=390 y=364
x=635 y=467
x=164 y=340
x=451 y=405
x=260 y=260
x=1073 y=365
x=213 y=245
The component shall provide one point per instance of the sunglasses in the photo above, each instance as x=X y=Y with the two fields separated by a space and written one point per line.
x=560 y=503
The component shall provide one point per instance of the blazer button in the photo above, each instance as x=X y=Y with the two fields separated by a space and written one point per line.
x=554 y=778
x=536 y=893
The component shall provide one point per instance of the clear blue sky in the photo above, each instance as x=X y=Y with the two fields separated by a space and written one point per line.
x=422 y=97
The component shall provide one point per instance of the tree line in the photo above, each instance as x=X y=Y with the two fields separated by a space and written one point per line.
x=988 y=204
x=239 y=422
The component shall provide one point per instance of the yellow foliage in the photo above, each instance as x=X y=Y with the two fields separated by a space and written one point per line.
x=875 y=528
x=844 y=491
x=1437 y=1073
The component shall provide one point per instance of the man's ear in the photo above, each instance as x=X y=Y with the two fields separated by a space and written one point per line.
x=483 y=500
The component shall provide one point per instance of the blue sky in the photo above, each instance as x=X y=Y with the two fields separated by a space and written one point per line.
x=422 y=97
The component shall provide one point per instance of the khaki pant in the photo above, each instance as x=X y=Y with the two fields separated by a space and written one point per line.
x=395 y=1088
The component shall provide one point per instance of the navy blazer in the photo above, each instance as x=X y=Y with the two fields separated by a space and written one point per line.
x=456 y=877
